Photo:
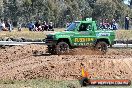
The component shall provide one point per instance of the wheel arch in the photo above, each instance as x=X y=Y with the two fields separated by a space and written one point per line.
x=103 y=40
x=64 y=40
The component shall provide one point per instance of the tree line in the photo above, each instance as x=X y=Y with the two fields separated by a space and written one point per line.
x=62 y=11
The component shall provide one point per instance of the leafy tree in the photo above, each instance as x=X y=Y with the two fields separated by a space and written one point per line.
x=62 y=11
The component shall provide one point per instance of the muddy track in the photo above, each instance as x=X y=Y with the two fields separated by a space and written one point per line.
x=31 y=62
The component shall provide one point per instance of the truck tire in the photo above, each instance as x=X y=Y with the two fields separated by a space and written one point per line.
x=102 y=47
x=62 y=48
x=51 y=50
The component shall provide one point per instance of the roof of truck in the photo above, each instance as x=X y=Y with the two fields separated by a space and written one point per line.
x=87 y=20
x=84 y=21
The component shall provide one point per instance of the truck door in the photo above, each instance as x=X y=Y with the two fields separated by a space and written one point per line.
x=85 y=35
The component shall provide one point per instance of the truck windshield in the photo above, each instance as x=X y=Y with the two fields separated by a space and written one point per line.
x=73 y=26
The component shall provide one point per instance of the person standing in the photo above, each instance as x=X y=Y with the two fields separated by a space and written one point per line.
x=19 y=26
x=1 y=25
x=114 y=25
x=127 y=22
x=8 y=25
x=51 y=26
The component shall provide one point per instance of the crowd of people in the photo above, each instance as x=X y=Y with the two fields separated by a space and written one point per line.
x=32 y=26
x=43 y=26
x=113 y=24
x=105 y=24
x=38 y=26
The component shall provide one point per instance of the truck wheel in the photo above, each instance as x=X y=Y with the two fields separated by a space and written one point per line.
x=62 y=48
x=51 y=50
x=102 y=47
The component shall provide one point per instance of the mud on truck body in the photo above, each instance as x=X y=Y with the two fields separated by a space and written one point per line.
x=80 y=34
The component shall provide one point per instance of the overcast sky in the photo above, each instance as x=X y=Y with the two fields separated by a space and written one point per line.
x=127 y=2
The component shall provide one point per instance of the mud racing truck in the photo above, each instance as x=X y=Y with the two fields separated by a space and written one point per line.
x=80 y=34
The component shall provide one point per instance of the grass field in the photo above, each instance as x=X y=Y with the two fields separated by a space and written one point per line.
x=25 y=33
x=41 y=83
x=123 y=34
x=120 y=34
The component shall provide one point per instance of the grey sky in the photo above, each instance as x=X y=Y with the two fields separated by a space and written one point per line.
x=127 y=2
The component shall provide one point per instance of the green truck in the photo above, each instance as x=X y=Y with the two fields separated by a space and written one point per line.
x=80 y=34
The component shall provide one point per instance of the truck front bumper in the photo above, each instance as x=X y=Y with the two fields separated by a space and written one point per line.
x=50 y=42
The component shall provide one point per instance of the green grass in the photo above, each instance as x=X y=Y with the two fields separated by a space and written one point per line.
x=41 y=83
x=25 y=33
x=120 y=34
x=123 y=34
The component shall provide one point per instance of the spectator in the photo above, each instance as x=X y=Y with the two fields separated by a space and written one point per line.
x=103 y=24
x=31 y=26
x=38 y=26
x=127 y=22
x=3 y=26
x=8 y=25
x=114 y=25
x=51 y=26
x=107 y=24
x=19 y=26
x=44 y=26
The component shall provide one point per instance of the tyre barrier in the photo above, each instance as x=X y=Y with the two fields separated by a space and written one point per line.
x=123 y=41
x=22 y=40
x=117 y=41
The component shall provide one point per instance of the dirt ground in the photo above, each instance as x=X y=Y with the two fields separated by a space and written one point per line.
x=31 y=62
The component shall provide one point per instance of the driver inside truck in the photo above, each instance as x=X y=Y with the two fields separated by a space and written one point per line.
x=85 y=27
